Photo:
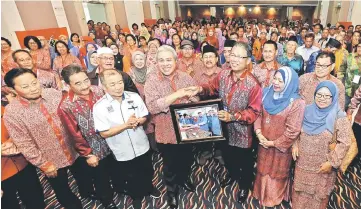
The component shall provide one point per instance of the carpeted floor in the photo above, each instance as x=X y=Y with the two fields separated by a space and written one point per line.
x=209 y=194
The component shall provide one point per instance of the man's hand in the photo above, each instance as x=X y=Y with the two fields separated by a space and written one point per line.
x=325 y=168
x=295 y=151
x=132 y=122
x=224 y=116
x=193 y=90
x=8 y=148
x=51 y=172
x=92 y=160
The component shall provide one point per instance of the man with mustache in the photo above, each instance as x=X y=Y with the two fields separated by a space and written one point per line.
x=188 y=63
x=75 y=112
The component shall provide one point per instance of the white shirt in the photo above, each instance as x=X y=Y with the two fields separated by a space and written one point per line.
x=306 y=52
x=108 y=113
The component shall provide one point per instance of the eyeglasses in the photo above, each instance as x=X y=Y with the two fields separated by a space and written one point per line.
x=236 y=57
x=323 y=66
x=325 y=96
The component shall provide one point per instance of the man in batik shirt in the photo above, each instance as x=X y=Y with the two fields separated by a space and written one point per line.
x=264 y=72
x=38 y=133
x=228 y=44
x=241 y=96
x=76 y=112
x=188 y=63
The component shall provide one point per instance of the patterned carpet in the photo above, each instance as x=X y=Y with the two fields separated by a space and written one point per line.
x=209 y=194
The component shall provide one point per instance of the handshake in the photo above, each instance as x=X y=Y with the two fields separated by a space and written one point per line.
x=189 y=91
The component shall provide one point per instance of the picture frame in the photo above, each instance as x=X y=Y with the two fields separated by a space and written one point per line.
x=198 y=122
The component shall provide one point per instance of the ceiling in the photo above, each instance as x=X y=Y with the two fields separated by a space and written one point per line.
x=245 y=3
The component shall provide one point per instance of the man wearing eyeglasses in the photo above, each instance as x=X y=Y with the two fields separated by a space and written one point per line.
x=325 y=63
x=188 y=63
x=105 y=61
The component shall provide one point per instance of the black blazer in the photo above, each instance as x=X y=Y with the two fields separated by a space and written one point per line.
x=128 y=83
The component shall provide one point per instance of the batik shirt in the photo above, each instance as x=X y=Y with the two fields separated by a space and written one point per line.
x=296 y=63
x=77 y=116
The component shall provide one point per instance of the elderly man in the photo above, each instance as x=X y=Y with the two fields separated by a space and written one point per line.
x=76 y=113
x=188 y=63
x=228 y=44
x=324 y=38
x=209 y=69
x=241 y=96
x=119 y=117
x=170 y=89
x=38 y=133
x=105 y=61
x=290 y=58
x=46 y=78
x=264 y=72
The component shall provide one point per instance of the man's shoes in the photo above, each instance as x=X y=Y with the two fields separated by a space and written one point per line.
x=242 y=196
x=226 y=181
x=92 y=196
x=189 y=186
x=172 y=200
x=137 y=203
x=110 y=205
x=155 y=193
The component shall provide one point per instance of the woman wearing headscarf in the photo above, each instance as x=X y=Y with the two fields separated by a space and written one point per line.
x=277 y=128
x=91 y=63
x=41 y=56
x=194 y=39
x=201 y=35
x=221 y=40
x=211 y=38
x=128 y=50
x=118 y=58
x=323 y=143
x=164 y=37
x=138 y=73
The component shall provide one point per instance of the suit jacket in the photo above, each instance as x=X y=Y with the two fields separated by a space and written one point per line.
x=128 y=83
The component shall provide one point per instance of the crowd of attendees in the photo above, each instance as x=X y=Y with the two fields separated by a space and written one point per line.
x=97 y=105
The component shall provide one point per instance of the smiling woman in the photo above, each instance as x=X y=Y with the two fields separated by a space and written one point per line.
x=64 y=57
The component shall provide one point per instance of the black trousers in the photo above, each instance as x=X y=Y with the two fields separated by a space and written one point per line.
x=27 y=184
x=61 y=187
x=134 y=176
x=101 y=180
x=357 y=131
x=239 y=162
x=177 y=163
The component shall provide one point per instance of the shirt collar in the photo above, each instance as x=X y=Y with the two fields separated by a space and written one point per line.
x=275 y=65
x=27 y=103
x=163 y=77
x=111 y=99
x=73 y=97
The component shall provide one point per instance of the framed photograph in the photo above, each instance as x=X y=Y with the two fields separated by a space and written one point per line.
x=198 y=122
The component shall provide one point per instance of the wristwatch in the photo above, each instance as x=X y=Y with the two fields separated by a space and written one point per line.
x=232 y=117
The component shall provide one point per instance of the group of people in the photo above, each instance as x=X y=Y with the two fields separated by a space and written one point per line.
x=98 y=106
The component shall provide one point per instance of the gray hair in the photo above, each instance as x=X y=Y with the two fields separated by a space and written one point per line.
x=244 y=46
x=166 y=48
x=107 y=73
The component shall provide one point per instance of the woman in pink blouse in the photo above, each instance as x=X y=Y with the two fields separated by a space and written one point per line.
x=40 y=55
x=318 y=159
x=64 y=57
x=277 y=129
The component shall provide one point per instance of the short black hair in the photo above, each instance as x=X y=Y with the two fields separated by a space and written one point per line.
x=14 y=73
x=60 y=42
x=89 y=21
x=319 y=24
x=113 y=43
x=34 y=38
x=142 y=37
x=155 y=39
x=350 y=26
x=111 y=38
x=274 y=32
x=18 y=51
x=130 y=35
x=304 y=28
x=240 y=28
x=74 y=34
x=69 y=71
x=6 y=40
x=325 y=55
x=270 y=42
x=234 y=33
x=135 y=24
x=310 y=35
x=342 y=26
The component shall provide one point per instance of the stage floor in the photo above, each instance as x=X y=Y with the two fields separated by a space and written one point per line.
x=210 y=195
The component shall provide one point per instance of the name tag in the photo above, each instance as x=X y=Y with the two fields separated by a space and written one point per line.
x=356 y=79
x=110 y=109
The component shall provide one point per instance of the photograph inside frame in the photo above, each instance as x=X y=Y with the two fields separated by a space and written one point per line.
x=199 y=123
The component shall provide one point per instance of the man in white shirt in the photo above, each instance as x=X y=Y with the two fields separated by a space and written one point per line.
x=307 y=49
x=118 y=117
